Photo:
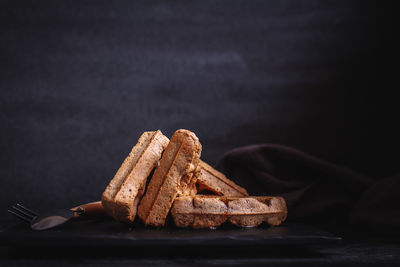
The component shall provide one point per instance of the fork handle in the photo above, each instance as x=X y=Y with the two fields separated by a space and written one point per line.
x=92 y=209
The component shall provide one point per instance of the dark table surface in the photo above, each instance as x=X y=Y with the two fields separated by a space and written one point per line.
x=356 y=249
x=355 y=253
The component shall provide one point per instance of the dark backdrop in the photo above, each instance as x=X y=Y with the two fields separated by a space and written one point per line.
x=81 y=80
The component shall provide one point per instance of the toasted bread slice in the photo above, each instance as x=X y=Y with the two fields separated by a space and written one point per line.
x=121 y=197
x=171 y=177
x=210 y=179
x=211 y=211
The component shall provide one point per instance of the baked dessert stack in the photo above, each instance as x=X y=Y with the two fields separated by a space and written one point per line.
x=178 y=176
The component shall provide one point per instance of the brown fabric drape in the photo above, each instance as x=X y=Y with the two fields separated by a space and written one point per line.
x=316 y=191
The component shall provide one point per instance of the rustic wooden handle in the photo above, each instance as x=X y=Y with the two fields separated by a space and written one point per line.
x=92 y=209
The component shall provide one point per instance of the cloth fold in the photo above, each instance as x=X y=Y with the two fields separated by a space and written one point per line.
x=316 y=191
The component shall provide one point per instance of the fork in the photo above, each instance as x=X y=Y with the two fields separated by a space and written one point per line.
x=23 y=213
x=56 y=217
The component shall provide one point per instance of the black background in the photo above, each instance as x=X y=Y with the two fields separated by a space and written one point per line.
x=81 y=80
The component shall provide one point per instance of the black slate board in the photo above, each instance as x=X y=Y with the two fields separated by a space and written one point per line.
x=110 y=233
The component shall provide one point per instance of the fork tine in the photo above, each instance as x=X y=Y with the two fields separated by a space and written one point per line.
x=19 y=216
x=21 y=211
x=28 y=210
